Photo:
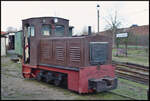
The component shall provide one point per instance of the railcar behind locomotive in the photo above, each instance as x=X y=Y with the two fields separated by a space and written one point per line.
x=51 y=54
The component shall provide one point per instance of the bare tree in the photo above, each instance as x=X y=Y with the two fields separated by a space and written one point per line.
x=113 y=23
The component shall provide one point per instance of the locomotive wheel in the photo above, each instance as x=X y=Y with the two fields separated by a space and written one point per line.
x=39 y=77
x=49 y=77
x=57 y=82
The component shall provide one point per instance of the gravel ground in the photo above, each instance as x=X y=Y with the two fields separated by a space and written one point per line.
x=14 y=86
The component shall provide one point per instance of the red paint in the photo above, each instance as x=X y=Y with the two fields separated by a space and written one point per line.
x=73 y=76
x=27 y=71
x=29 y=66
x=93 y=72
x=77 y=80
x=26 y=46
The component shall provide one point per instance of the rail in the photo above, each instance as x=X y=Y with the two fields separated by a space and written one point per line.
x=133 y=72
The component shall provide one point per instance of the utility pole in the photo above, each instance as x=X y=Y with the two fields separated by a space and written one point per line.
x=98 y=17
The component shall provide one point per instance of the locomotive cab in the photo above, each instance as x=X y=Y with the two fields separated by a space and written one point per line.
x=41 y=27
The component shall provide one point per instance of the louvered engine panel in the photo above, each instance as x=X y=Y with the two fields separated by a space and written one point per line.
x=45 y=51
x=75 y=52
x=59 y=52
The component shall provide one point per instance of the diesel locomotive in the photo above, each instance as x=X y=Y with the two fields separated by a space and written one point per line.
x=79 y=63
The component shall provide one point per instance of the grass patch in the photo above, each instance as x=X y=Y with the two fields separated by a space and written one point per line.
x=134 y=56
x=133 y=83
x=133 y=47
x=10 y=75
x=18 y=65
x=97 y=96
x=6 y=64
x=125 y=88
x=131 y=89
x=19 y=96
x=56 y=88
x=101 y=96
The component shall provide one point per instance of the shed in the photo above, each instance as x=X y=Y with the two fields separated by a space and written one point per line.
x=18 y=43
x=10 y=40
x=3 y=45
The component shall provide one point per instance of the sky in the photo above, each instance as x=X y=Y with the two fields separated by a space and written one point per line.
x=80 y=14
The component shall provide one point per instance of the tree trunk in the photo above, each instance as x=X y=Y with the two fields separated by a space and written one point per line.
x=113 y=37
x=113 y=41
x=117 y=49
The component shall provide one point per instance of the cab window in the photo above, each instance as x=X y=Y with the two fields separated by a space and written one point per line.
x=32 y=30
x=46 y=30
x=59 y=30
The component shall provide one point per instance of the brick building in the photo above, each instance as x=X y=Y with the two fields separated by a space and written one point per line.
x=140 y=32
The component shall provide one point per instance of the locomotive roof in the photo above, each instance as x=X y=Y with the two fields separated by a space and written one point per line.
x=79 y=37
x=44 y=17
x=63 y=37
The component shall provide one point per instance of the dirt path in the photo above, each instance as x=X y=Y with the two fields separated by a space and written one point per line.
x=14 y=86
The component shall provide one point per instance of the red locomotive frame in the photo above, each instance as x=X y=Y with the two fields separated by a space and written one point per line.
x=67 y=60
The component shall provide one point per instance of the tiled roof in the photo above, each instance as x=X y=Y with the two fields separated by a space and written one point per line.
x=2 y=32
x=141 y=30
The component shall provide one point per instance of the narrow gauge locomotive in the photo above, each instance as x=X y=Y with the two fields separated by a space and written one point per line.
x=51 y=54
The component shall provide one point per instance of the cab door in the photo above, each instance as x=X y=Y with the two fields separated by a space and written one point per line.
x=33 y=47
x=29 y=45
x=26 y=45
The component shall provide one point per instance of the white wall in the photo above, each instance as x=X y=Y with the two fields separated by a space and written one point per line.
x=3 y=46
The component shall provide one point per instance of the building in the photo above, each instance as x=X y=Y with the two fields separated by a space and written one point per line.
x=10 y=40
x=3 y=43
x=18 y=43
x=137 y=30
x=140 y=32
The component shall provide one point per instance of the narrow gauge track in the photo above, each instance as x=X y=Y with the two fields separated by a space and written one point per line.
x=134 y=78
x=132 y=65
x=133 y=72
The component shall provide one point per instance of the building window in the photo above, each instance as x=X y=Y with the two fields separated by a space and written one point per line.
x=59 y=30
x=46 y=30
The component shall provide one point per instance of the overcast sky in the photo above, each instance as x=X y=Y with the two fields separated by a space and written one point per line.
x=80 y=13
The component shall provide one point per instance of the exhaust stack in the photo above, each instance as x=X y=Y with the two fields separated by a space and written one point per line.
x=89 y=30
